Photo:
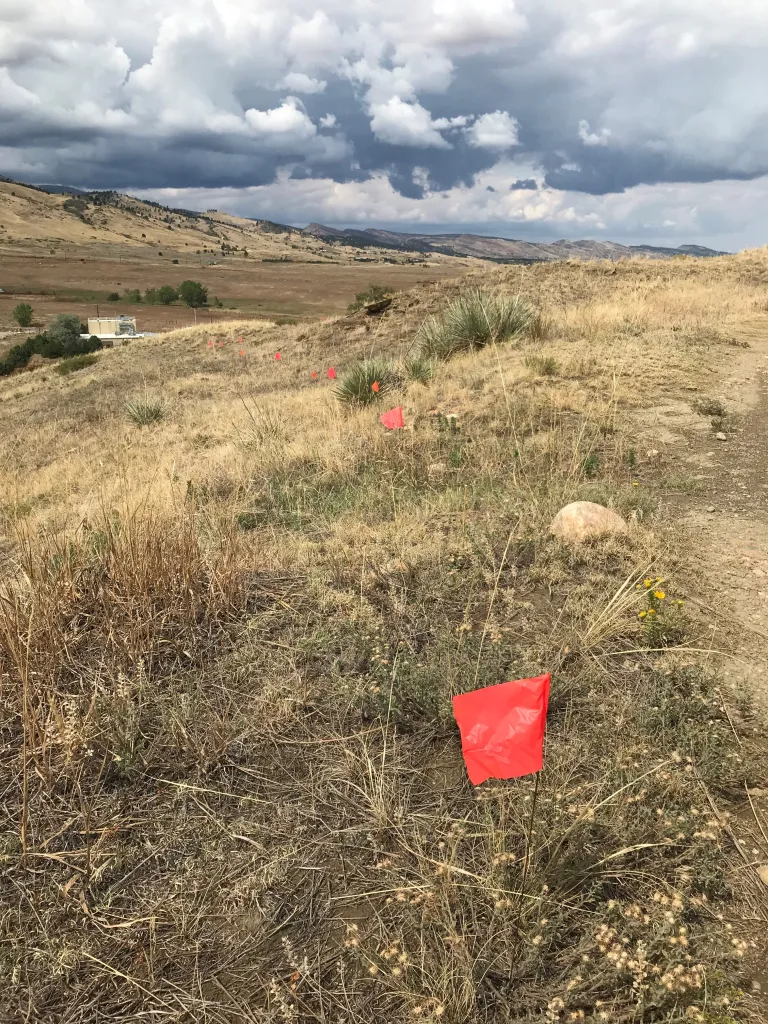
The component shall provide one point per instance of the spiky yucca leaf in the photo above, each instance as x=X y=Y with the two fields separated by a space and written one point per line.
x=475 y=319
x=356 y=386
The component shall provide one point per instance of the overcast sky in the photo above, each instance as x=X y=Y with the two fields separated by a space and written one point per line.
x=638 y=120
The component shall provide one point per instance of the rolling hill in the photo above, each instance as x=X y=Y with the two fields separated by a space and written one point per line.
x=501 y=250
x=35 y=218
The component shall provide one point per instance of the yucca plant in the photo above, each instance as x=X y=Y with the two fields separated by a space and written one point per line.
x=419 y=369
x=475 y=319
x=144 y=411
x=367 y=382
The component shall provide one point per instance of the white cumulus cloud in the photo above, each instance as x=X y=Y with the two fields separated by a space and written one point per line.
x=405 y=124
x=496 y=131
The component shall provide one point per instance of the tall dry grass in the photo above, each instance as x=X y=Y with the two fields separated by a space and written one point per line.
x=233 y=790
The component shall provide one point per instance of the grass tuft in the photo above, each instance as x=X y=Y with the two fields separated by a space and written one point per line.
x=419 y=369
x=544 y=366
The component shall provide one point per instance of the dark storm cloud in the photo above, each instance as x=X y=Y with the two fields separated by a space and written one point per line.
x=433 y=96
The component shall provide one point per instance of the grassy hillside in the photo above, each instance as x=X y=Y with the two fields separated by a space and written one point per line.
x=233 y=788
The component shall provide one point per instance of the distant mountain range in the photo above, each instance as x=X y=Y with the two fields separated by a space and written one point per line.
x=500 y=250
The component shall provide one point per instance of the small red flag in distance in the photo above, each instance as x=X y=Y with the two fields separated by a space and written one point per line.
x=502 y=728
x=210 y=344
x=332 y=373
x=278 y=356
x=375 y=387
x=242 y=353
x=393 y=419
x=314 y=374
x=221 y=344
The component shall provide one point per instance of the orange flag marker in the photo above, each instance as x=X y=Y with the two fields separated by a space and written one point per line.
x=393 y=420
x=375 y=387
x=332 y=373
x=502 y=728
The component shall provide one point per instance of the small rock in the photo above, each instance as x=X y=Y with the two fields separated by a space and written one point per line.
x=584 y=520
x=762 y=873
x=436 y=470
x=710 y=508
x=721 y=436
x=758 y=793
x=652 y=453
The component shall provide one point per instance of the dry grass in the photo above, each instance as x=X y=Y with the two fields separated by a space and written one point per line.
x=228 y=642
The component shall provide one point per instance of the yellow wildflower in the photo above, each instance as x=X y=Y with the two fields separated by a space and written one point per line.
x=651 y=611
x=642 y=615
x=659 y=594
x=648 y=584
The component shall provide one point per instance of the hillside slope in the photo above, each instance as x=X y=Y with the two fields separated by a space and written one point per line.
x=233 y=788
x=31 y=217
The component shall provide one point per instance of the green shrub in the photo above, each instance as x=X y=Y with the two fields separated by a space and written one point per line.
x=419 y=369
x=167 y=295
x=62 y=339
x=475 y=319
x=356 y=385
x=22 y=314
x=144 y=411
x=113 y=297
x=67 y=366
x=374 y=293
x=17 y=356
x=132 y=295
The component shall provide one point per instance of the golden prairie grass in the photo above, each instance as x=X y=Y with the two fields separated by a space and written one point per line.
x=228 y=645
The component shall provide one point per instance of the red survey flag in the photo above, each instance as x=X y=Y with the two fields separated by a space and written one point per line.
x=502 y=728
x=221 y=344
x=314 y=374
x=210 y=344
x=393 y=419
x=277 y=356
x=375 y=387
x=332 y=373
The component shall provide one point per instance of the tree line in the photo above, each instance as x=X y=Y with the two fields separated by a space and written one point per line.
x=191 y=293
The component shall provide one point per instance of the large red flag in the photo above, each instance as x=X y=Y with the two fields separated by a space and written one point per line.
x=332 y=373
x=393 y=419
x=502 y=728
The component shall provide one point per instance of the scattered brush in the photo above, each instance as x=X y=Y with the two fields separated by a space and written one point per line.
x=710 y=407
x=419 y=369
x=367 y=382
x=67 y=366
x=474 y=320
x=144 y=411
x=544 y=366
